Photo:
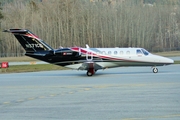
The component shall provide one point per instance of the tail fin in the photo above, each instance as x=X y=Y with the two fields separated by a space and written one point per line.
x=30 y=42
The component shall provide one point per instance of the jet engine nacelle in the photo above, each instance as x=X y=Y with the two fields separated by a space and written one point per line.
x=66 y=52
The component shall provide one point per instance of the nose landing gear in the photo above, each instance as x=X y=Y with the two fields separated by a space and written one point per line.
x=155 y=70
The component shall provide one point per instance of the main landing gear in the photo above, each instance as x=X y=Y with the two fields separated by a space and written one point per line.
x=91 y=72
x=155 y=70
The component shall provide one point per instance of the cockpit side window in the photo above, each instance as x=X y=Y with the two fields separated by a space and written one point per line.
x=138 y=52
x=145 y=52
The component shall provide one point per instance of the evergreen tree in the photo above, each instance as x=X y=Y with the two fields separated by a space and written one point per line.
x=1 y=15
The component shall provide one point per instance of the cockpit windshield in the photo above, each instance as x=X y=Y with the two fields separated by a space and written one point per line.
x=145 y=52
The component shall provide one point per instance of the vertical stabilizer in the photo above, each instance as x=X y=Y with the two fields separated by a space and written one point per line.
x=29 y=41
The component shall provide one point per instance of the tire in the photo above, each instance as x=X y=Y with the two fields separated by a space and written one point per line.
x=89 y=73
x=155 y=70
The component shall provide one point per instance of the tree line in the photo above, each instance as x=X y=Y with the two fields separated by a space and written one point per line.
x=122 y=23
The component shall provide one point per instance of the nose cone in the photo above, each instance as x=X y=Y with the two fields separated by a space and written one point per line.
x=169 y=61
x=163 y=60
x=166 y=61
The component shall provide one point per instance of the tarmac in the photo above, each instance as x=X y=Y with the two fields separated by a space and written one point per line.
x=124 y=93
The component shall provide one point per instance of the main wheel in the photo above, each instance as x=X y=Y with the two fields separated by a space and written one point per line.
x=155 y=70
x=89 y=73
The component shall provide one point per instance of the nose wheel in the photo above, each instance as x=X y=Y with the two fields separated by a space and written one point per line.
x=155 y=70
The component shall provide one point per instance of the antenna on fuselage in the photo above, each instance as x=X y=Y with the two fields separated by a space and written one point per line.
x=87 y=46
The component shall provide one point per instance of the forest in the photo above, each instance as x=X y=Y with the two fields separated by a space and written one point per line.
x=150 y=24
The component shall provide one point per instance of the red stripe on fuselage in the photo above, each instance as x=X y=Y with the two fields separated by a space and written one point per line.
x=99 y=55
x=94 y=54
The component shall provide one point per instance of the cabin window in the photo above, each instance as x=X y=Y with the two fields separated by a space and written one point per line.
x=128 y=52
x=115 y=52
x=145 y=52
x=109 y=52
x=103 y=52
x=121 y=52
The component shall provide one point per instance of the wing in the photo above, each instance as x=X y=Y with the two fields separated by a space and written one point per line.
x=85 y=66
x=89 y=65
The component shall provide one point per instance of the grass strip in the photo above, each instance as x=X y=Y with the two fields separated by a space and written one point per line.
x=37 y=67
x=176 y=62
x=31 y=68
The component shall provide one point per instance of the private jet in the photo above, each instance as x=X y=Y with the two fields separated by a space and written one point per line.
x=89 y=59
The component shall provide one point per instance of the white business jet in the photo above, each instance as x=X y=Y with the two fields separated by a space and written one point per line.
x=89 y=59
